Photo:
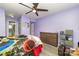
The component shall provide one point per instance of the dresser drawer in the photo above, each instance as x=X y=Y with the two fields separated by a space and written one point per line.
x=49 y=38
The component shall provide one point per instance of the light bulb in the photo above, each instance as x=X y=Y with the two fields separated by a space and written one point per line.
x=34 y=11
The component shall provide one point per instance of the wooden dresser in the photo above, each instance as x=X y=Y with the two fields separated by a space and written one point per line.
x=49 y=38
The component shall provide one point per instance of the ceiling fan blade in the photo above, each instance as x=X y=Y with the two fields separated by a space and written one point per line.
x=42 y=10
x=35 y=5
x=28 y=12
x=25 y=5
x=36 y=13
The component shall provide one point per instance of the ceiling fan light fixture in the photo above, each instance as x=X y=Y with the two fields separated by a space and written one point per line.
x=34 y=11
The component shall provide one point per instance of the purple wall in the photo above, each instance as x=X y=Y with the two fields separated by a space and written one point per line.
x=24 y=29
x=19 y=21
x=68 y=19
x=2 y=22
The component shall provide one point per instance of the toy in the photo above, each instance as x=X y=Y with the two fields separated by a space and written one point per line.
x=28 y=45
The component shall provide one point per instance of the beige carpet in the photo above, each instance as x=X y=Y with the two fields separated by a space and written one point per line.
x=49 y=50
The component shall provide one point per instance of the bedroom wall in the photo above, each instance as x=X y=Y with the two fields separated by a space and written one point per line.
x=19 y=21
x=2 y=22
x=68 y=19
x=24 y=29
x=21 y=29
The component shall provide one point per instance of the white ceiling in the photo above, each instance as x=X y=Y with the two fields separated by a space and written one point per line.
x=18 y=10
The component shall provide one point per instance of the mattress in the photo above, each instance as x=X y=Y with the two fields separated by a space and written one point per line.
x=9 y=45
x=6 y=44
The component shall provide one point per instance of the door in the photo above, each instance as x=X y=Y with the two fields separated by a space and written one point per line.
x=32 y=28
x=11 y=28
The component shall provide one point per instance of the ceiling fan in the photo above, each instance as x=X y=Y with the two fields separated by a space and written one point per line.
x=34 y=8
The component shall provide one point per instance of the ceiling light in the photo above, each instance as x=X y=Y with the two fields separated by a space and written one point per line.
x=11 y=15
x=34 y=11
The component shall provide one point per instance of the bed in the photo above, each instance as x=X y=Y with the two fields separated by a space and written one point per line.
x=7 y=46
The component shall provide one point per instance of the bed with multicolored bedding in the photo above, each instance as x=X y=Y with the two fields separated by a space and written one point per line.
x=7 y=45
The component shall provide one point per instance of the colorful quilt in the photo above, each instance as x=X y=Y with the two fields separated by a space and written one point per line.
x=9 y=45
